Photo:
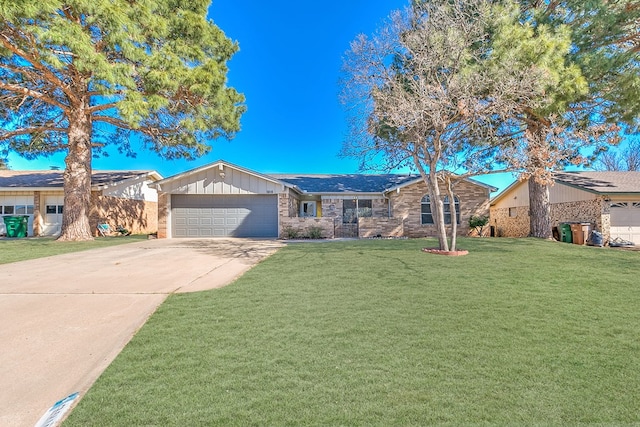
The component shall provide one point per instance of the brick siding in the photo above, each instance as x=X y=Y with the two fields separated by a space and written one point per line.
x=474 y=200
x=164 y=208
x=137 y=216
x=301 y=227
x=595 y=212
x=380 y=227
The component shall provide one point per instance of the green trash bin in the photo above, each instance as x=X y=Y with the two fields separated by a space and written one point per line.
x=565 y=233
x=16 y=225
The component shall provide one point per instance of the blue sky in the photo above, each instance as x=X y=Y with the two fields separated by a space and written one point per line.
x=288 y=68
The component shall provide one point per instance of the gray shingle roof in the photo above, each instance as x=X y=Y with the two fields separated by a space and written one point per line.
x=54 y=179
x=350 y=183
x=602 y=182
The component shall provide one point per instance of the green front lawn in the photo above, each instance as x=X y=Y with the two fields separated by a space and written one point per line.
x=518 y=332
x=13 y=250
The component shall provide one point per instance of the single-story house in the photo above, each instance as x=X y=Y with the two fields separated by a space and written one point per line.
x=221 y=199
x=117 y=198
x=609 y=201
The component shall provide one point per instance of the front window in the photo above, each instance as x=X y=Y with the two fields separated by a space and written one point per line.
x=427 y=218
x=54 y=209
x=354 y=209
x=427 y=215
x=308 y=209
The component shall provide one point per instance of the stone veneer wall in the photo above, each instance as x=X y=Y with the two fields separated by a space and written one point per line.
x=474 y=200
x=332 y=208
x=137 y=216
x=302 y=225
x=164 y=207
x=584 y=211
x=380 y=208
x=510 y=226
x=384 y=227
x=595 y=212
x=288 y=204
x=37 y=214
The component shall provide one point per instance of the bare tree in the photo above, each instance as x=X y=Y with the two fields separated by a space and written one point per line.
x=627 y=159
x=426 y=91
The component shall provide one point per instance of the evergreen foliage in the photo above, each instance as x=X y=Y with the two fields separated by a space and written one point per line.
x=80 y=75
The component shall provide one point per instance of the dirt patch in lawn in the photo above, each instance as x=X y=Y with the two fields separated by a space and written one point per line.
x=437 y=251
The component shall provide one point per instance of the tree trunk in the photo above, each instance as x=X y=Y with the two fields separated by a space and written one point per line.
x=539 y=210
x=77 y=179
x=437 y=211
x=453 y=213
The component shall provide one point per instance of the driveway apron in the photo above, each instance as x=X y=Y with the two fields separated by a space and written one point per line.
x=65 y=318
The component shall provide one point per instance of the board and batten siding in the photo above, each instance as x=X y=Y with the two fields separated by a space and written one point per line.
x=210 y=181
x=558 y=193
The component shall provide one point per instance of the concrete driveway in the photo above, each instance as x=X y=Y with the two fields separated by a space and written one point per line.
x=65 y=318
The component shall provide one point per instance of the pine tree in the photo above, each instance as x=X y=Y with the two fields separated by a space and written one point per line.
x=79 y=76
x=605 y=48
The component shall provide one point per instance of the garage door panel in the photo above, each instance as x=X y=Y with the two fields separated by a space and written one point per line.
x=224 y=216
x=625 y=221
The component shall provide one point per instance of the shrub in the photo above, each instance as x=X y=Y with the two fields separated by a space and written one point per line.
x=315 y=232
x=290 y=232
x=478 y=223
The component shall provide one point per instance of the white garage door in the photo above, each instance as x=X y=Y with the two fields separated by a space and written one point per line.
x=224 y=216
x=52 y=214
x=16 y=205
x=625 y=221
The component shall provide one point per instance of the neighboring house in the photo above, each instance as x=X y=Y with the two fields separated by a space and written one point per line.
x=117 y=197
x=609 y=201
x=222 y=199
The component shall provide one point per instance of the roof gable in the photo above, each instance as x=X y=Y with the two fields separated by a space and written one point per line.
x=220 y=164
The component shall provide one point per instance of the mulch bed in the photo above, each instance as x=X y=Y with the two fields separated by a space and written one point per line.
x=437 y=251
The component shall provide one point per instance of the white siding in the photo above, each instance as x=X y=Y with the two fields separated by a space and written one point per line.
x=52 y=221
x=517 y=196
x=625 y=221
x=558 y=193
x=209 y=181
x=137 y=189
x=14 y=198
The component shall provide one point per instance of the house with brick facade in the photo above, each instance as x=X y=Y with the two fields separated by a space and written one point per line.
x=608 y=201
x=225 y=200
x=117 y=198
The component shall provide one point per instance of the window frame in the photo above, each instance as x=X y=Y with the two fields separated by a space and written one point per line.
x=425 y=202
x=352 y=210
